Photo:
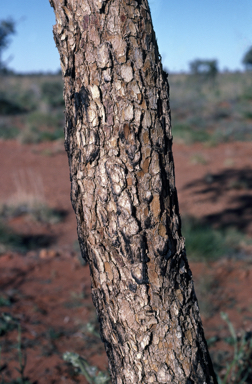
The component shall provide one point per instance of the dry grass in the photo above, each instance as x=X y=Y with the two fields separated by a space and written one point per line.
x=29 y=199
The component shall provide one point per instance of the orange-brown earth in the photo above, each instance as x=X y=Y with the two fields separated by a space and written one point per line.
x=49 y=289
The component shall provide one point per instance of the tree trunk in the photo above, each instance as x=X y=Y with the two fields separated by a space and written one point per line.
x=118 y=140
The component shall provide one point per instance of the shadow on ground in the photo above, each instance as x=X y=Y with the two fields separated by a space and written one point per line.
x=215 y=186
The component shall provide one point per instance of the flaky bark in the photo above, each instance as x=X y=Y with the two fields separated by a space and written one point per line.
x=118 y=139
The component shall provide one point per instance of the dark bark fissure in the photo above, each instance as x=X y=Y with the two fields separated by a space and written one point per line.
x=118 y=140
x=81 y=100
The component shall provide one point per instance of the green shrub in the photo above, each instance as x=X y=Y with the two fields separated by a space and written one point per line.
x=188 y=135
x=15 y=102
x=7 y=323
x=8 y=132
x=5 y=301
x=27 y=99
x=34 y=135
x=247 y=114
x=45 y=120
x=247 y=95
x=52 y=93
x=202 y=242
x=42 y=127
x=9 y=239
x=235 y=132
x=9 y=107
x=205 y=243
x=36 y=210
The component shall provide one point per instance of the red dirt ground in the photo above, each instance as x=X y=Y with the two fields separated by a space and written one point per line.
x=49 y=289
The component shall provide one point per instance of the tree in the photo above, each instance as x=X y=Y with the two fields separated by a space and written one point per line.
x=205 y=68
x=7 y=28
x=247 y=59
x=119 y=145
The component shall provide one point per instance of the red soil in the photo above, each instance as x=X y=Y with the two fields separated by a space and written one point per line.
x=50 y=289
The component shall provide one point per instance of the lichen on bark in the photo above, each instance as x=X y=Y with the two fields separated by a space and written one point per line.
x=119 y=144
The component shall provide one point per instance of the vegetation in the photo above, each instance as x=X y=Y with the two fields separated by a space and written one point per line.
x=207 y=69
x=9 y=239
x=211 y=111
x=8 y=323
x=205 y=243
x=38 y=211
x=51 y=93
x=29 y=200
x=232 y=367
x=202 y=241
x=235 y=367
x=18 y=242
x=232 y=363
x=84 y=368
x=247 y=59
x=31 y=108
x=7 y=28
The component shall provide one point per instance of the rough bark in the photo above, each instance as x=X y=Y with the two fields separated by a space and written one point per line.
x=118 y=140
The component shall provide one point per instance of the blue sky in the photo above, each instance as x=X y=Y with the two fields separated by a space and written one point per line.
x=185 y=29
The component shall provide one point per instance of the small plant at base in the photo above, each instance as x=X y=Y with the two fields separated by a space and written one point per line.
x=90 y=328
x=22 y=358
x=239 y=370
x=90 y=372
x=5 y=301
x=7 y=323
x=2 y=367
